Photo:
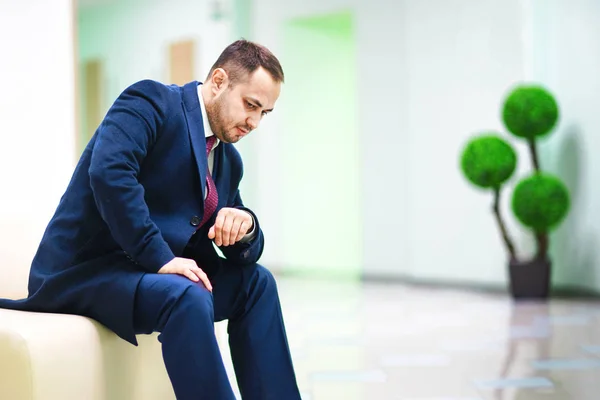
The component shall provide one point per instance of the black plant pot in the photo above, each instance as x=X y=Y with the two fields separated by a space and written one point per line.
x=530 y=280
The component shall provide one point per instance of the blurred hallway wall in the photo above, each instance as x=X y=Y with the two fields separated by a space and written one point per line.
x=566 y=57
x=37 y=136
x=429 y=75
x=131 y=39
x=320 y=223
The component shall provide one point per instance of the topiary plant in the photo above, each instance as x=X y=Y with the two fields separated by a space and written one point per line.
x=488 y=161
x=529 y=113
x=539 y=201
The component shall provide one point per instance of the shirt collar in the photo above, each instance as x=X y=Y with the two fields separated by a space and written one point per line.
x=207 y=131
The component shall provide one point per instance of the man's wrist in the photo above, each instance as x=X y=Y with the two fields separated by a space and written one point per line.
x=251 y=232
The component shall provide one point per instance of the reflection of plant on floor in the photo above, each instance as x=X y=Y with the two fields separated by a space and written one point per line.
x=540 y=201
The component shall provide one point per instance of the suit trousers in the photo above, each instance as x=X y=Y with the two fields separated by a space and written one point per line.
x=184 y=313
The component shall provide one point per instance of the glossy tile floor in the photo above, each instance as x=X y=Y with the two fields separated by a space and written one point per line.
x=355 y=341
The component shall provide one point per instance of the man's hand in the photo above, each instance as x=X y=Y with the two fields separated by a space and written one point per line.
x=230 y=226
x=187 y=268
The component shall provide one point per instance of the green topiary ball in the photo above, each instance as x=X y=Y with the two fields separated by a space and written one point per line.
x=488 y=160
x=530 y=111
x=540 y=202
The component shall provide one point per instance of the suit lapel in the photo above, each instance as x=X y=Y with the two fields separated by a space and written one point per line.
x=193 y=116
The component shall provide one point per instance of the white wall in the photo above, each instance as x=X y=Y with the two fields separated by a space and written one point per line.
x=321 y=191
x=132 y=38
x=269 y=17
x=37 y=137
x=383 y=86
x=567 y=60
x=430 y=75
x=461 y=58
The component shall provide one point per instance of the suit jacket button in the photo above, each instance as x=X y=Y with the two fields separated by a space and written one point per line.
x=195 y=220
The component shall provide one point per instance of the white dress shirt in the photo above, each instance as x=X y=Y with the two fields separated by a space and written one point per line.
x=207 y=131
x=211 y=156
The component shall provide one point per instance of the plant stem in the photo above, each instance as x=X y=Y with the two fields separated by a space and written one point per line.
x=496 y=208
x=543 y=243
x=534 y=156
x=541 y=238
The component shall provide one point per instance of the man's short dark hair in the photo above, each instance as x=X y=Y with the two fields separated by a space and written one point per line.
x=242 y=57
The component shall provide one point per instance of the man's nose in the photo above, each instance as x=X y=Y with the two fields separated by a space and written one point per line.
x=252 y=123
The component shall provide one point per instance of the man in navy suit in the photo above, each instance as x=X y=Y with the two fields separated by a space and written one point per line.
x=132 y=241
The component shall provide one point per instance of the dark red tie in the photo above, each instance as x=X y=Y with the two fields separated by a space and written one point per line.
x=212 y=197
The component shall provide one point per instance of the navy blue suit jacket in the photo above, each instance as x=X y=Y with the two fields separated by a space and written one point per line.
x=131 y=206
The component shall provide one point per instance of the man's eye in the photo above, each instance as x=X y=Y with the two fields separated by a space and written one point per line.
x=250 y=105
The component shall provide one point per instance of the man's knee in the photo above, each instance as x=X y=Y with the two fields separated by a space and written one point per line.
x=196 y=301
x=264 y=281
x=166 y=297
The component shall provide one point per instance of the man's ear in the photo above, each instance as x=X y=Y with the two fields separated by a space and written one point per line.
x=219 y=79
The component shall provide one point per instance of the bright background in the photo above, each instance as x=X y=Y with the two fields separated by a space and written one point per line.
x=355 y=175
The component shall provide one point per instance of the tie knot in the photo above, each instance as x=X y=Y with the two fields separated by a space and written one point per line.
x=210 y=142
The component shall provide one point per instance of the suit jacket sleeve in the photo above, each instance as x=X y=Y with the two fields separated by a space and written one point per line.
x=123 y=140
x=245 y=252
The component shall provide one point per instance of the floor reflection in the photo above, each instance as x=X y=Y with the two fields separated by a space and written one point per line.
x=371 y=341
